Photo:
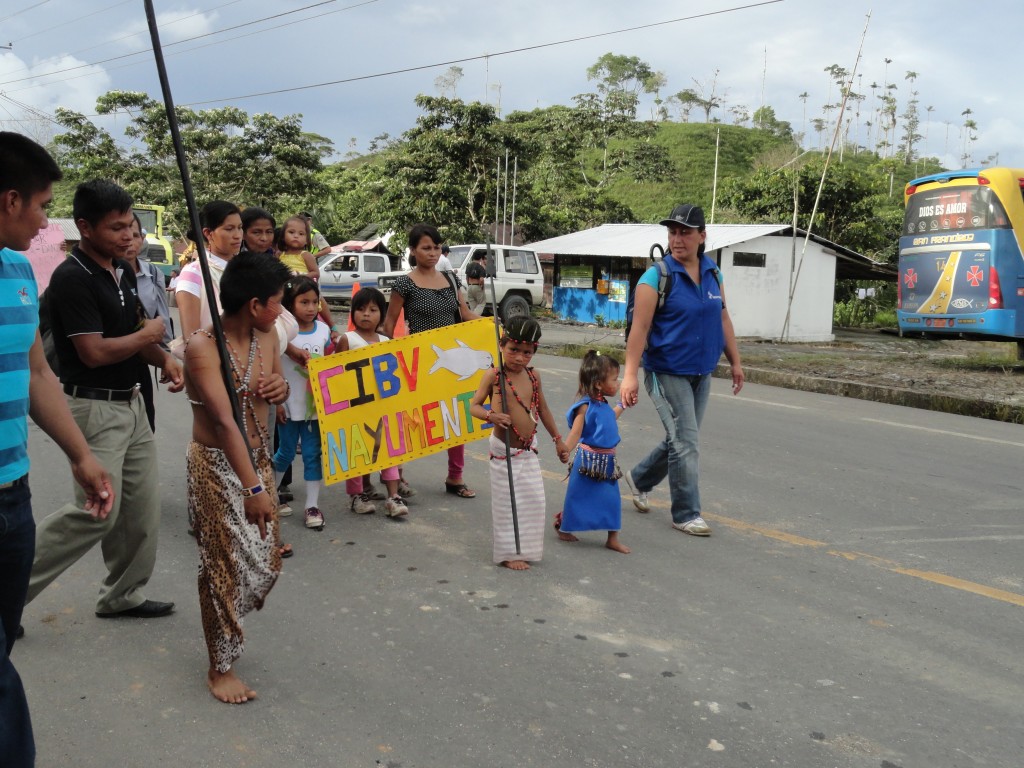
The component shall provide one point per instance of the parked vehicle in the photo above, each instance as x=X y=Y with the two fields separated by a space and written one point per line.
x=340 y=270
x=158 y=248
x=518 y=280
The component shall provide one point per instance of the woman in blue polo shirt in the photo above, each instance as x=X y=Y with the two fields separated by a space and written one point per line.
x=681 y=343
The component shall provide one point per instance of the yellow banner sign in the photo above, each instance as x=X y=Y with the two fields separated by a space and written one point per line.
x=385 y=404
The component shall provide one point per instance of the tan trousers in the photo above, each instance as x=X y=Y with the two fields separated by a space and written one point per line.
x=119 y=434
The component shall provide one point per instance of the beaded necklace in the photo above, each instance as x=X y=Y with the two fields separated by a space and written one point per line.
x=243 y=388
x=533 y=410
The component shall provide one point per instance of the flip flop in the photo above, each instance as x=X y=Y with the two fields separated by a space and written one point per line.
x=459 y=489
x=286 y=551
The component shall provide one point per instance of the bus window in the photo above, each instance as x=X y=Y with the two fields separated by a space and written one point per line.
x=961 y=208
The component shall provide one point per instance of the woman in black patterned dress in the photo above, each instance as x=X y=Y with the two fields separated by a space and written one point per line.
x=431 y=300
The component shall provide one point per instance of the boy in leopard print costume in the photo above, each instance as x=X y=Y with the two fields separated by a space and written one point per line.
x=230 y=478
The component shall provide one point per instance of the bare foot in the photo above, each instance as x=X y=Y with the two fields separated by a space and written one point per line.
x=615 y=545
x=228 y=688
x=516 y=565
x=563 y=536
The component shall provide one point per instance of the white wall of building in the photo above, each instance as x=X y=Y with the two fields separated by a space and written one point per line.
x=757 y=296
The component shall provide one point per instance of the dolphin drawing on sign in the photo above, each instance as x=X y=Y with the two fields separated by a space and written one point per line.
x=463 y=360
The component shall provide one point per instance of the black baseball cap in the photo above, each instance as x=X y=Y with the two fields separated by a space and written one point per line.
x=685 y=215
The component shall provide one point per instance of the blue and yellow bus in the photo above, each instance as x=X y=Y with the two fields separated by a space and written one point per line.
x=961 y=262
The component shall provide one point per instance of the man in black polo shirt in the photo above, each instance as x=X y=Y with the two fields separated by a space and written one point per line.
x=104 y=342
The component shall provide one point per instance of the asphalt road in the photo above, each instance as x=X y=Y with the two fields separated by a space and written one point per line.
x=859 y=604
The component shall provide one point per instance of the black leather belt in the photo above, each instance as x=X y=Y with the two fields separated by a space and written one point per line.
x=93 y=393
x=23 y=480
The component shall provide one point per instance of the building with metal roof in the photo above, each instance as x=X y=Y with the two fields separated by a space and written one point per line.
x=596 y=269
x=70 y=230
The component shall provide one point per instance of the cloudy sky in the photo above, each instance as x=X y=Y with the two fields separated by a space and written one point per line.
x=67 y=52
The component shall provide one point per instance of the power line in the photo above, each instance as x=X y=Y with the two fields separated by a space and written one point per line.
x=142 y=31
x=23 y=10
x=481 y=56
x=178 y=42
x=194 y=48
x=50 y=28
x=38 y=113
x=111 y=40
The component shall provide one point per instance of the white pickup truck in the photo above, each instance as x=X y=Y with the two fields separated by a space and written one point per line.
x=518 y=281
x=340 y=270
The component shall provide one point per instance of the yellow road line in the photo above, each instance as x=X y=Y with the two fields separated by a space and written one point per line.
x=934 y=577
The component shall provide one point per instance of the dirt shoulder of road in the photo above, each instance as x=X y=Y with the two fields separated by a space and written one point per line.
x=982 y=379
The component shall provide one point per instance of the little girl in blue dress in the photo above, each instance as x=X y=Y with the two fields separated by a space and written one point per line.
x=592 y=500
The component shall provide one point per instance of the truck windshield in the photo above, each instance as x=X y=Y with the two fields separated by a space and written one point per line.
x=458 y=255
x=148 y=219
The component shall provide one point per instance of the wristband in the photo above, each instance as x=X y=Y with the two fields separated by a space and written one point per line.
x=621 y=405
x=253 y=491
x=556 y=437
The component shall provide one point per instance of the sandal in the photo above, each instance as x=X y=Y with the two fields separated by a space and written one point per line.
x=459 y=489
x=558 y=521
x=285 y=550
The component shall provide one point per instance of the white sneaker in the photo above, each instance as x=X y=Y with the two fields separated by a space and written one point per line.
x=314 y=519
x=283 y=510
x=395 y=507
x=639 y=497
x=405 y=490
x=695 y=527
x=362 y=505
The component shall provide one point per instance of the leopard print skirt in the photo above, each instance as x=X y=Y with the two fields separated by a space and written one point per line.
x=237 y=569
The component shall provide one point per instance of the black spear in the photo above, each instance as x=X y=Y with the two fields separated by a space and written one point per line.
x=491 y=271
x=193 y=212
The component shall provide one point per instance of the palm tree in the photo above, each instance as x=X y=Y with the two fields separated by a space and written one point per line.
x=803 y=97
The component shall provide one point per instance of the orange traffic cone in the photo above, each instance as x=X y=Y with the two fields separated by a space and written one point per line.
x=355 y=290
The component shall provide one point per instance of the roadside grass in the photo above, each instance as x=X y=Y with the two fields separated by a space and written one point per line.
x=795 y=362
x=997 y=363
x=579 y=350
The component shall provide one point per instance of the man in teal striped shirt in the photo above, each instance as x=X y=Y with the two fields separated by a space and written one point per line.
x=27 y=388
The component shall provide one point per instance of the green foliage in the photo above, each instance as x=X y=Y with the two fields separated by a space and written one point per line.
x=877 y=311
x=264 y=160
x=578 y=165
x=689 y=166
x=855 y=209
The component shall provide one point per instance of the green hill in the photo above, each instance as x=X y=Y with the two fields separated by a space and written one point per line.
x=691 y=150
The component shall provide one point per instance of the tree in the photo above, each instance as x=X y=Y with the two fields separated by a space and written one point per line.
x=685 y=101
x=803 y=97
x=854 y=210
x=441 y=170
x=449 y=81
x=621 y=80
x=708 y=99
x=740 y=114
x=969 y=132
x=264 y=160
x=819 y=124
x=911 y=122
x=765 y=120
